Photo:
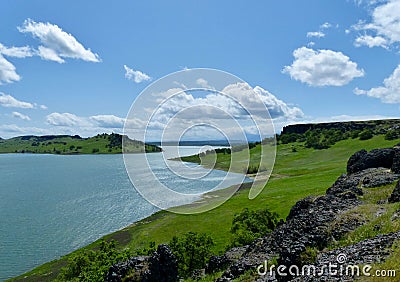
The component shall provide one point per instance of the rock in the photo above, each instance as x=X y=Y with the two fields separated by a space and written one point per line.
x=217 y=263
x=396 y=160
x=163 y=266
x=376 y=158
x=369 y=251
x=395 y=197
x=118 y=271
x=379 y=178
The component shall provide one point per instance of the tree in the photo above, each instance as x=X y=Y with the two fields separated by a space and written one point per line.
x=250 y=225
x=192 y=251
x=366 y=134
x=391 y=134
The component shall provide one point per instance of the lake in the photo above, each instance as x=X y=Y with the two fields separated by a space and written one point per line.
x=51 y=205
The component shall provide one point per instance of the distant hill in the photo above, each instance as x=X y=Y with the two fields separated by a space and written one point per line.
x=375 y=125
x=70 y=145
x=324 y=135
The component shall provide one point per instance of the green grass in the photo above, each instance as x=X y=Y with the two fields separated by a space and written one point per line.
x=295 y=176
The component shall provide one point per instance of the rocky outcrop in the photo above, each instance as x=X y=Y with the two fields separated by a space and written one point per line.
x=316 y=221
x=161 y=266
x=358 y=255
x=376 y=158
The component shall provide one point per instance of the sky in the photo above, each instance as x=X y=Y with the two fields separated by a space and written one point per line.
x=76 y=67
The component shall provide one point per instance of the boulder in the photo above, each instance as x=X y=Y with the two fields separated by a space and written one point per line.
x=376 y=158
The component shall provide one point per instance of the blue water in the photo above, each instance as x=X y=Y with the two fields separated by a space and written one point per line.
x=51 y=205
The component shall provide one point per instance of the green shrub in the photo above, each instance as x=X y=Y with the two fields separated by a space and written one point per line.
x=250 y=225
x=92 y=265
x=366 y=134
x=391 y=134
x=192 y=251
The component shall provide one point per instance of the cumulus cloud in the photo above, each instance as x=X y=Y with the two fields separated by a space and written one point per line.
x=9 y=101
x=388 y=93
x=384 y=24
x=135 y=75
x=108 y=121
x=56 y=43
x=317 y=34
x=204 y=83
x=238 y=100
x=370 y=41
x=276 y=107
x=97 y=121
x=17 y=52
x=20 y=116
x=8 y=72
x=64 y=119
x=322 y=67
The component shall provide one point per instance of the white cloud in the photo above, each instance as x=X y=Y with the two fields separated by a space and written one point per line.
x=204 y=83
x=17 y=52
x=49 y=55
x=90 y=123
x=388 y=93
x=325 y=25
x=311 y=43
x=384 y=23
x=43 y=107
x=64 y=119
x=276 y=107
x=20 y=116
x=9 y=101
x=370 y=41
x=11 y=130
x=57 y=44
x=238 y=100
x=322 y=67
x=317 y=34
x=135 y=75
x=8 y=72
x=108 y=121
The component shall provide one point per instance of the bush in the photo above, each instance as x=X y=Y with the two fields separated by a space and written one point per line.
x=90 y=265
x=95 y=150
x=354 y=134
x=250 y=225
x=192 y=251
x=391 y=134
x=252 y=169
x=366 y=134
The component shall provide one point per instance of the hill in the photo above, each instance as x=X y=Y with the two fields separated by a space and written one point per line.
x=71 y=145
x=381 y=126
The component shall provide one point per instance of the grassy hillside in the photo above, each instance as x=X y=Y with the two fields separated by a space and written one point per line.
x=297 y=174
x=68 y=145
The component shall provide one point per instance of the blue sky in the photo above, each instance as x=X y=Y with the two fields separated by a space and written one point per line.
x=76 y=67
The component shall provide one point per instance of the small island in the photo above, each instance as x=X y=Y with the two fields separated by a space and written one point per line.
x=75 y=144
